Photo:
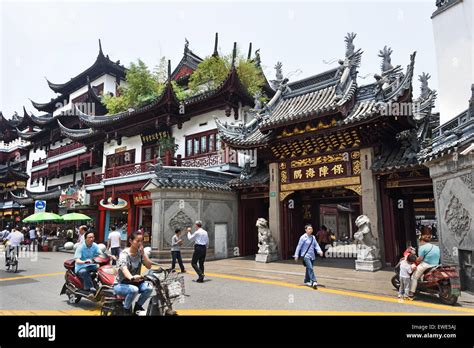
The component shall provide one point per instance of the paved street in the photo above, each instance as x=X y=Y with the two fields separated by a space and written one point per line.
x=234 y=286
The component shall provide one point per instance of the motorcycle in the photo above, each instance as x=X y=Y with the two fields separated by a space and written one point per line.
x=441 y=280
x=168 y=286
x=103 y=278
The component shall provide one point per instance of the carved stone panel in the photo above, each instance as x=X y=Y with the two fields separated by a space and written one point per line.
x=458 y=220
x=439 y=187
x=181 y=221
x=467 y=180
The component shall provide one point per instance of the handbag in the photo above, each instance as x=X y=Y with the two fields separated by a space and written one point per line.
x=302 y=257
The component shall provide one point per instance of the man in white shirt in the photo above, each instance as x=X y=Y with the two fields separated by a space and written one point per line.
x=201 y=241
x=15 y=239
x=113 y=243
x=82 y=232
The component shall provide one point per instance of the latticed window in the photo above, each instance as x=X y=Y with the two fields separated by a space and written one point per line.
x=150 y=152
x=202 y=143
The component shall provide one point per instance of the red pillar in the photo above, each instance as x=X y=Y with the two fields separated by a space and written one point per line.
x=101 y=224
x=130 y=220
x=388 y=220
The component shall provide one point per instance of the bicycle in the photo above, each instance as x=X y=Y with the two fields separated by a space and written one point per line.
x=11 y=261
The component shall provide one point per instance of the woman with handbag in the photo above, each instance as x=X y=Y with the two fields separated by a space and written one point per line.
x=306 y=250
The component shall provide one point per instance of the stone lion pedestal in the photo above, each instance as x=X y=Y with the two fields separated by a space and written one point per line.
x=267 y=247
x=368 y=256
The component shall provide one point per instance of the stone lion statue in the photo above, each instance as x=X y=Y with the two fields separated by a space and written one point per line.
x=266 y=243
x=368 y=243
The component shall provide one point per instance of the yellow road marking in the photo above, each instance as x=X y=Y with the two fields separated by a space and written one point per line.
x=296 y=286
x=235 y=312
x=50 y=312
x=342 y=292
x=32 y=276
x=265 y=312
x=346 y=293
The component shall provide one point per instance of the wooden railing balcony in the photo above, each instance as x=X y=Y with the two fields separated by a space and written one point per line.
x=64 y=149
x=93 y=178
x=38 y=162
x=129 y=169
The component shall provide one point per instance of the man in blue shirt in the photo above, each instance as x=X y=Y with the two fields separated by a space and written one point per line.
x=428 y=255
x=84 y=256
x=306 y=247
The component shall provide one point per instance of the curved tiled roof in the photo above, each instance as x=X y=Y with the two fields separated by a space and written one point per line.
x=261 y=177
x=101 y=66
x=182 y=178
x=77 y=134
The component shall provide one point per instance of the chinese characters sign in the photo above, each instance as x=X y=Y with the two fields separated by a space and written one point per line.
x=330 y=170
x=321 y=171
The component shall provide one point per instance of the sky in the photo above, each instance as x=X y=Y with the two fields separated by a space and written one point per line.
x=58 y=40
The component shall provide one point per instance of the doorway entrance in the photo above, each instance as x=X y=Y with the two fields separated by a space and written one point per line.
x=336 y=208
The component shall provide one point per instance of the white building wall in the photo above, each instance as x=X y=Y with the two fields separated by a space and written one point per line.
x=453 y=35
x=109 y=87
x=34 y=156
x=201 y=123
x=60 y=143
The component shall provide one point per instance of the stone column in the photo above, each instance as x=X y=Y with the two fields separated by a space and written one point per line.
x=370 y=198
x=274 y=210
x=156 y=233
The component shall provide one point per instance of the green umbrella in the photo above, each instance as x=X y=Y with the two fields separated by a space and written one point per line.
x=76 y=217
x=43 y=217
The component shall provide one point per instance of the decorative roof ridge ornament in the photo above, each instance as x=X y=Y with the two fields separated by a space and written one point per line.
x=257 y=58
x=280 y=83
x=425 y=90
x=385 y=54
x=246 y=172
x=101 y=53
x=392 y=83
x=347 y=71
x=216 y=41
x=471 y=103
x=169 y=70
x=422 y=110
x=238 y=130
x=186 y=46
x=349 y=39
x=234 y=54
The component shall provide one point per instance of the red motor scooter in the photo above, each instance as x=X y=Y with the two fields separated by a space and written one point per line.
x=102 y=278
x=441 y=280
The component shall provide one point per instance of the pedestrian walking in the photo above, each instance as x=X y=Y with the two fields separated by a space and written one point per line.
x=406 y=269
x=32 y=233
x=305 y=249
x=113 y=244
x=176 y=243
x=201 y=241
x=323 y=238
x=82 y=230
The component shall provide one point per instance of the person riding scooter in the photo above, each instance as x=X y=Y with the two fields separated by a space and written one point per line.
x=84 y=254
x=428 y=257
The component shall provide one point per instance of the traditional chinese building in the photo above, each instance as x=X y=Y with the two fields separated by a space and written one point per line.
x=325 y=141
x=54 y=162
x=449 y=155
x=163 y=164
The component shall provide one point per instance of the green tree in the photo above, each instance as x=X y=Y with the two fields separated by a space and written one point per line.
x=142 y=87
x=212 y=71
